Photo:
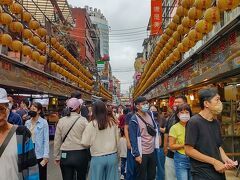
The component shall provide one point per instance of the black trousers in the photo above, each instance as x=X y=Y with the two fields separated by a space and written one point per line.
x=74 y=162
x=147 y=169
x=42 y=170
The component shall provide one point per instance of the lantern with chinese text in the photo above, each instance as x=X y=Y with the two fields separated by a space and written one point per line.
x=165 y=37
x=203 y=26
x=26 y=50
x=56 y=45
x=226 y=5
x=181 y=48
x=16 y=27
x=57 y=57
x=35 y=55
x=6 y=40
x=16 y=8
x=203 y=4
x=187 y=3
x=212 y=15
x=61 y=48
x=42 y=32
x=188 y=23
x=34 y=25
x=169 y=32
x=16 y=46
x=181 y=11
x=42 y=46
x=35 y=40
x=42 y=59
x=169 y=46
x=194 y=35
x=53 y=40
x=176 y=36
x=182 y=30
x=176 y=19
x=6 y=19
x=176 y=53
x=172 y=26
x=165 y=51
x=188 y=43
x=26 y=17
x=195 y=13
x=6 y=2
x=52 y=54
x=172 y=42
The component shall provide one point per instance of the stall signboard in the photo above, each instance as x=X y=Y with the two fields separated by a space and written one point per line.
x=19 y=77
x=221 y=57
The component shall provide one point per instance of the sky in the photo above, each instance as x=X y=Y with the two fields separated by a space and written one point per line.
x=125 y=42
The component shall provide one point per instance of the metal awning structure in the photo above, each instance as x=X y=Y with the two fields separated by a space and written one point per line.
x=54 y=10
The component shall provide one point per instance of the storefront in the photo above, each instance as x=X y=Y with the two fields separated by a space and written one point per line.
x=217 y=66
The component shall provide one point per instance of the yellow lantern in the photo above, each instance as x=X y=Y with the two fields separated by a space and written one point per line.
x=42 y=59
x=195 y=13
x=6 y=2
x=172 y=26
x=35 y=40
x=16 y=46
x=35 y=55
x=194 y=35
x=187 y=3
x=212 y=15
x=52 y=54
x=27 y=34
x=16 y=8
x=176 y=53
x=176 y=19
x=172 y=42
x=165 y=37
x=203 y=4
x=56 y=45
x=188 y=23
x=34 y=25
x=16 y=27
x=181 y=48
x=169 y=46
x=57 y=57
x=169 y=32
x=188 y=43
x=176 y=36
x=42 y=32
x=165 y=51
x=181 y=11
x=182 y=30
x=6 y=40
x=26 y=17
x=203 y=26
x=42 y=46
x=26 y=50
x=6 y=19
x=226 y=5
x=61 y=48
x=52 y=66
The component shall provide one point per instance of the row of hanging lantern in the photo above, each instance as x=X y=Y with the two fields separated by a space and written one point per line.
x=105 y=93
x=34 y=35
x=57 y=69
x=178 y=38
x=60 y=59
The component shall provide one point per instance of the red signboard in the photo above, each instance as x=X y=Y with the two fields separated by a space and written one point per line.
x=156 y=17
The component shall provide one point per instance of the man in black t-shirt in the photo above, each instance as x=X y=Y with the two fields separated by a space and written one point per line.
x=203 y=141
x=169 y=162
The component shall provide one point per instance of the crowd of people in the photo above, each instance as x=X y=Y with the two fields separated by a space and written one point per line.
x=101 y=142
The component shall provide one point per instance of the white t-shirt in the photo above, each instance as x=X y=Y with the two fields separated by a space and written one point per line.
x=8 y=161
x=122 y=147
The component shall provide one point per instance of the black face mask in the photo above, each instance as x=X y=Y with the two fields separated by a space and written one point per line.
x=155 y=115
x=32 y=113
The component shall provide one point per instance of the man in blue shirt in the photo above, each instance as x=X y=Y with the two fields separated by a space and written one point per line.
x=13 y=118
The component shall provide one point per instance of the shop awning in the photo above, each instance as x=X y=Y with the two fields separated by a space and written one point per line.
x=54 y=10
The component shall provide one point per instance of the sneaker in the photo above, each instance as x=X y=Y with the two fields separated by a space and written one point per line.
x=122 y=177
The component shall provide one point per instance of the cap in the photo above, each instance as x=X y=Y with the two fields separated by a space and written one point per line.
x=73 y=103
x=3 y=96
x=81 y=101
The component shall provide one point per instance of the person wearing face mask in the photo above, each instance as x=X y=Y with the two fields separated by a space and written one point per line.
x=203 y=143
x=177 y=141
x=169 y=162
x=143 y=134
x=69 y=153
x=40 y=136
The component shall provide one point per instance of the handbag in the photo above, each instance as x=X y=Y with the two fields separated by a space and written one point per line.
x=7 y=139
x=150 y=129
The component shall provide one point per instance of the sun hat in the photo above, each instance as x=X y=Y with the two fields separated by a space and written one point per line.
x=3 y=96
x=73 y=103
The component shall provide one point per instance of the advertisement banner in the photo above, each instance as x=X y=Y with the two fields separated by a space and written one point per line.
x=156 y=17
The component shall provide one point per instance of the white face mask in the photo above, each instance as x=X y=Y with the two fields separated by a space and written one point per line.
x=10 y=105
x=184 y=117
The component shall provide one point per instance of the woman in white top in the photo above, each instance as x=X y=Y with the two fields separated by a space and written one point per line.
x=101 y=135
x=68 y=150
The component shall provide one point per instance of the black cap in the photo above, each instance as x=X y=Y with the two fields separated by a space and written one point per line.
x=140 y=99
